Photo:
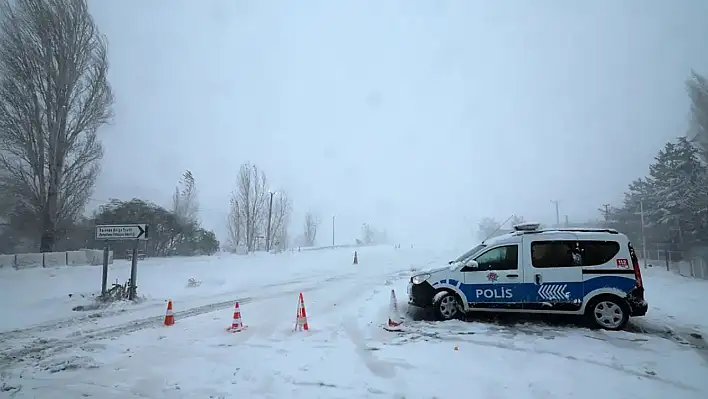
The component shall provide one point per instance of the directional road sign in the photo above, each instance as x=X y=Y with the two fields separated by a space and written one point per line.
x=122 y=232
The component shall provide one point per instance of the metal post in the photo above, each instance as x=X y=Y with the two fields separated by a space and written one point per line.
x=104 y=279
x=133 y=272
x=270 y=211
x=644 y=237
x=332 y=231
x=556 y=202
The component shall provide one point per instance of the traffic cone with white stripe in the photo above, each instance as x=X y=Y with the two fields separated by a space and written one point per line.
x=236 y=324
x=395 y=321
x=169 y=316
x=301 y=317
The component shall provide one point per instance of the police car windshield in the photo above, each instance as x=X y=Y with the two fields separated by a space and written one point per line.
x=470 y=253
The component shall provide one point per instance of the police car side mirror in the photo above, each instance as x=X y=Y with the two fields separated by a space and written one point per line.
x=471 y=265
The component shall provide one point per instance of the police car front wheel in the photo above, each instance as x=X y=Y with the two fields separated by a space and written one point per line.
x=609 y=312
x=447 y=306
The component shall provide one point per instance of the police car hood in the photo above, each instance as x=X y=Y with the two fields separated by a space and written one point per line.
x=449 y=267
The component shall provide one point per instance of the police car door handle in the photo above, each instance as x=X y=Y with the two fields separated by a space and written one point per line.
x=512 y=275
x=538 y=279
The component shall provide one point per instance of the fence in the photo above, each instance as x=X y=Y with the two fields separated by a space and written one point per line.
x=677 y=262
x=83 y=257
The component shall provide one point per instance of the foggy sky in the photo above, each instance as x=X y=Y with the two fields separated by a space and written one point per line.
x=418 y=116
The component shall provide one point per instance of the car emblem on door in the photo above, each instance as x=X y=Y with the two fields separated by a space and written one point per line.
x=492 y=277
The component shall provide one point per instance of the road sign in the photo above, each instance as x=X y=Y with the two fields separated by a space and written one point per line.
x=122 y=232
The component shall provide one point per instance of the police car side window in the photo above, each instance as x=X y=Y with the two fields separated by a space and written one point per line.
x=597 y=253
x=555 y=254
x=500 y=258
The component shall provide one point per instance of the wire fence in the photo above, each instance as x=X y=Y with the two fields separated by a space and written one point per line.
x=689 y=265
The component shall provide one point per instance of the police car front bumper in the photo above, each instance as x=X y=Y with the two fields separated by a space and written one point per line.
x=420 y=295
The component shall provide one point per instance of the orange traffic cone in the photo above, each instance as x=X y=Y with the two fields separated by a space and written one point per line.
x=395 y=321
x=236 y=324
x=169 y=316
x=301 y=317
x=356 y=260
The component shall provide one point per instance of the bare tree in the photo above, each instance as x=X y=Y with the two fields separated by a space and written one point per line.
x=312 y=222
x=282 y=208
x=367 y=234
x=249 y=206
x=184 y=201
x=54 y=96
x=516 y=219
x=487 y=227
x=235 y=225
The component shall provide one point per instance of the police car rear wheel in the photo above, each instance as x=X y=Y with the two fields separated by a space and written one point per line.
x=609 y=313
x=447 y=307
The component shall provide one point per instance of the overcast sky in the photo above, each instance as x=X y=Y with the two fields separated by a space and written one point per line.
x=416 y=116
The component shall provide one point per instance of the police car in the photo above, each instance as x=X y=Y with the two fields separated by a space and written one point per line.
x=591 y=272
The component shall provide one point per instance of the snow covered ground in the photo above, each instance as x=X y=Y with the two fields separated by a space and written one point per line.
x=676 y=302
x=49 y=351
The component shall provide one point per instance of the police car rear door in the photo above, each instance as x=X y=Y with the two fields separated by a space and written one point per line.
x=554 y=275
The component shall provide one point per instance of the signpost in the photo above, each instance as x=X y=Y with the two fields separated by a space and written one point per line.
x=122 y=232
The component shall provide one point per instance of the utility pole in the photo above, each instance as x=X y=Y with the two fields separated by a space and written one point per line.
x=556 y=202
x=270 y=212
x=332 y=231
x=644 y=237
x=606 y=212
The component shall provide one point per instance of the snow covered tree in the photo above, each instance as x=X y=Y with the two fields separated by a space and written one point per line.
x=698 y=92
x=312 y=222
x=626 y=218
x=367 y=234
x=675 y=180
x=675 y=194
x=184 y=201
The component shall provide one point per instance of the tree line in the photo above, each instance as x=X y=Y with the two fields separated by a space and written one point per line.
x=489 y=227
x=672 y=199
x=260 y=216
x=54 y=98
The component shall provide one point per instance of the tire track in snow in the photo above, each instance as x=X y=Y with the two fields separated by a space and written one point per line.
x=46 y=348
x=42 y=350
x=107 y=313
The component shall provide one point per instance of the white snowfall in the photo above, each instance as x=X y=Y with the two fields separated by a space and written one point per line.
x=50 y=351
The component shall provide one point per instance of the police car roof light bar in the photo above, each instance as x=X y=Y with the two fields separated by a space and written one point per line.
x=587 y=230
x=527 y=226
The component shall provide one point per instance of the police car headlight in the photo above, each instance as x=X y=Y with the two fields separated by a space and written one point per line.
x=420 y=278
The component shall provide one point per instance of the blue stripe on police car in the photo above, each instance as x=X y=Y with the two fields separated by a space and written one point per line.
x=530 y=292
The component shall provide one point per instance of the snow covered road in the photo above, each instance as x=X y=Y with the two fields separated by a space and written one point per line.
x=346 y=353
